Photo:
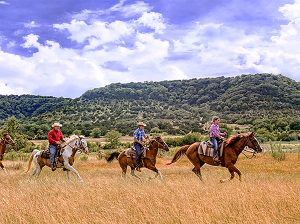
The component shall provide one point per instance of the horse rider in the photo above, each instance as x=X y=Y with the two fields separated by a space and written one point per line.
x=139 y=144
x=215 y=135
x=55 y=137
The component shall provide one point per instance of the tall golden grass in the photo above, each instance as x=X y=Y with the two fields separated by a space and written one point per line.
x=269 y=193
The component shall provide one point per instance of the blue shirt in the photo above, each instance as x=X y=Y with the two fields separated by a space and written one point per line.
x=139 y=134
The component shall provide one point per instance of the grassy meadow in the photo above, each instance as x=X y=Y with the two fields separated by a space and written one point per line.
x=269 y=193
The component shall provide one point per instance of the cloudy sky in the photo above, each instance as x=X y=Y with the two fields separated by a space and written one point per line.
x=65 y=47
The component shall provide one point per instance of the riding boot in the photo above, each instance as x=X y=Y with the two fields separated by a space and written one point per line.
x=138 y=168
x=53 y=167
x=216 y=160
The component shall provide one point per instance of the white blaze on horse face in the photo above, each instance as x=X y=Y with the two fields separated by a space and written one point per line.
x=85 y=146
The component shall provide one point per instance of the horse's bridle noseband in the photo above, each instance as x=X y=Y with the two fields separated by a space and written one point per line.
x=253 y=151
x=161 y=144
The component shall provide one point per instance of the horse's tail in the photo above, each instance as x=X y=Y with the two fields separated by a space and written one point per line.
x=179 y=154
x=112 y=156
x=31 y=158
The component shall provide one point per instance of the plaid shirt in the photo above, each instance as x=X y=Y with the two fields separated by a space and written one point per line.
x=139 y=134
x=215 y=131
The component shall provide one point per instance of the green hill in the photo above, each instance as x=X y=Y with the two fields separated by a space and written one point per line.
x=172 y=106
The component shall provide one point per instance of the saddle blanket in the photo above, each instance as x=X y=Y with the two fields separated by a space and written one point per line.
x=130 y=153
x=206 y=149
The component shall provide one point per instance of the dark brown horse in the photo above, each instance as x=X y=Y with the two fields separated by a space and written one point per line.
x=149 y=160
x=5 y=140
x=232 y=149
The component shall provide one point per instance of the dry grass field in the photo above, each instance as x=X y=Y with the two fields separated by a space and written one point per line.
x=269 y=193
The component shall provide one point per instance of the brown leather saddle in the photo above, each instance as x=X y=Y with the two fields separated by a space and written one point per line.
x=58 y=155
x=130 y=152
x=206 y=148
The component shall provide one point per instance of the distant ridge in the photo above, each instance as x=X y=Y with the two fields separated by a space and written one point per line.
x=182 y=104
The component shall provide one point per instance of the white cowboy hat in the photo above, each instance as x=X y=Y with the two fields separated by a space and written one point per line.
x=141 y=124
x=56 y=124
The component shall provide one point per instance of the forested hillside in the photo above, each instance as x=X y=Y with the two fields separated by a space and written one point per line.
x=263 y=101
x=25 y=106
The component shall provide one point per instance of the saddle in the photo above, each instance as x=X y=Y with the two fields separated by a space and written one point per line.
x=206 y=148
x=58 y=156
x=130 y=153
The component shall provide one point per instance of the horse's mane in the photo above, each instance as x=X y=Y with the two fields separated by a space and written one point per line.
x=71 y=139
x=232 y=140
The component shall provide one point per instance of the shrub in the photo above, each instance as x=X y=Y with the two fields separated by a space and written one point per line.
x=93 y=146
x=113 y=137
x=277 y=152
x=77 y=132
x=83 y=157
x=155 y=130
x=96 y=133
x=191 y=138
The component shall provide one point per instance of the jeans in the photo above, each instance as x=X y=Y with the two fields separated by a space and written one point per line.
x=52 y=150
x=214 y=141
x=138 y=151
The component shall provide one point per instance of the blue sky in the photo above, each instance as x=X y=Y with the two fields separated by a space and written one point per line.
x=63 y=48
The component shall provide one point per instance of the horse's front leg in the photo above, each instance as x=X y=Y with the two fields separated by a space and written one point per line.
x=232 y=169
x=133 y=174
x=71 y=168
x=149 y=165
x=3 y=168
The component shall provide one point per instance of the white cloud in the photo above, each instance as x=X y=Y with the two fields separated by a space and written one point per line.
x=4 y=3
x=130 y=10
x=126 y=10
x=153 y=20
x=124 y=51
x=31 y=40
x=31 y=25
x=97 y=33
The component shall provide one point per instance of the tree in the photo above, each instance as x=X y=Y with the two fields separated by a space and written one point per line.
x=295 y=125
x=113 y=137
x=96 y=133
x=77 y=132
x=12 y=126
x=155 y=130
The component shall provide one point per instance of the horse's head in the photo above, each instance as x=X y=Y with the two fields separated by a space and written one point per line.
x=161 y=143
x=7 y=139
x=83 y=144
x=253 y=143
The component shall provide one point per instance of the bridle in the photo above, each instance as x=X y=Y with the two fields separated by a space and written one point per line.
x=163 y=145
x=252 y=151
x=78 y=146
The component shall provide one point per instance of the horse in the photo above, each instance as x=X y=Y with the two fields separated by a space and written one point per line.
x=4 y=141
x=233 y=147
x=71 y=146
x=149 y=160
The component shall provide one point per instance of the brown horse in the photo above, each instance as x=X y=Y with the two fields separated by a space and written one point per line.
x=5 y=140
x=232 y=149
x=149 y=160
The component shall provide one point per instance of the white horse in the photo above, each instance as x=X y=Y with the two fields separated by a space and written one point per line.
x=72 y=145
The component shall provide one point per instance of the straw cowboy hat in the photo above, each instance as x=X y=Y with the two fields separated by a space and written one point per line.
x=56 y=124
x=142 y=124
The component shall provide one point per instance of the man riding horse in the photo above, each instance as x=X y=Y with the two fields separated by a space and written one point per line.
x=139 y=144
x=55 y=136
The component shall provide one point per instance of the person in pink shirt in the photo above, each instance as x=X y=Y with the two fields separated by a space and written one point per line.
x=215 y=135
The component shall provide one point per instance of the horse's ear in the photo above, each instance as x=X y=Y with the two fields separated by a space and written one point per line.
x=252 y=134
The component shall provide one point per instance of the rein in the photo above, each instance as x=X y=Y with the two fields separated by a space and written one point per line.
x=80 y=144
x=159 y=144
x=250 y=151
